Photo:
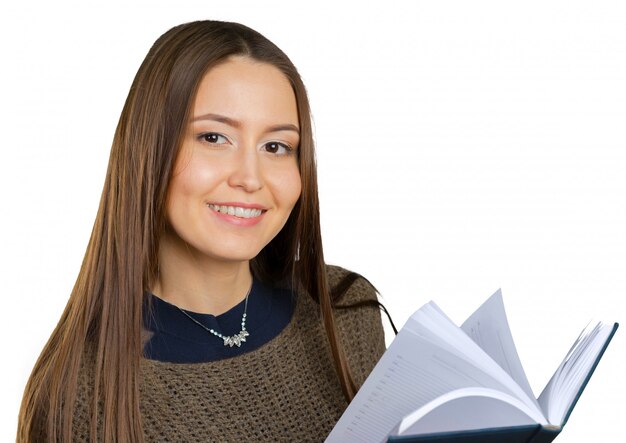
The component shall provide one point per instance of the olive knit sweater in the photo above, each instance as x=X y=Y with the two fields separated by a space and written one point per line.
x=286 y=390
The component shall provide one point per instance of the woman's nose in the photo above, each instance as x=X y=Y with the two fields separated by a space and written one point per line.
x=246 y=171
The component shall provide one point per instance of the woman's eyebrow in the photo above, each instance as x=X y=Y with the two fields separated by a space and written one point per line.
x=236 y=124
x=218 y=118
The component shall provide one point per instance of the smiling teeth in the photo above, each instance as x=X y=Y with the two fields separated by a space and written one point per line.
x=237 y=211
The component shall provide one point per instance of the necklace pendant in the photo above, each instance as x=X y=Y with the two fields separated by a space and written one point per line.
x=236 y=340
x=233 y=340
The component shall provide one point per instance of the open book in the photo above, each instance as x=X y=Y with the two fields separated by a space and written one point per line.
x=440 y=383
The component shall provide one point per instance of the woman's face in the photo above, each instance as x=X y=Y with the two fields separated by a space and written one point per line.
x=236 y=178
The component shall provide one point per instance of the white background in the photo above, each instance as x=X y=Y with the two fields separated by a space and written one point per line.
x=462 y=146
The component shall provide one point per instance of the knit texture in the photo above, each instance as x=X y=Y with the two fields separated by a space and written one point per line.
x=286 y=390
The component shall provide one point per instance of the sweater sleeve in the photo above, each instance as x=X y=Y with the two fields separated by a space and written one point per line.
x=81 y=423
x=360 y=327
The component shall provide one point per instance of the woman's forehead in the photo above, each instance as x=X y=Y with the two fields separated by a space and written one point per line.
x=245 y=90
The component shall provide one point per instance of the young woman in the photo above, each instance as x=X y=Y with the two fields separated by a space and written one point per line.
x=204 y=310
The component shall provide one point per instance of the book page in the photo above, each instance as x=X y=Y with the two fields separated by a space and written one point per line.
x=568 y=381
x=489 y=328
x=431 y=323
x=466 y=409
x=429 y=358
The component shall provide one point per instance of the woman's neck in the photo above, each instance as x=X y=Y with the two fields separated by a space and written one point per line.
x=199 y=283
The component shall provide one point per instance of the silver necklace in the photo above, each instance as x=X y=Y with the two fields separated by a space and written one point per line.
x=232 y=340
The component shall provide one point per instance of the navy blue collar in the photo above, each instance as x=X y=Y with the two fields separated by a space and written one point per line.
x=177 y=338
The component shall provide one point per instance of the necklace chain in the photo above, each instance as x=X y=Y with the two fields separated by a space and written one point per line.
x=233 y=340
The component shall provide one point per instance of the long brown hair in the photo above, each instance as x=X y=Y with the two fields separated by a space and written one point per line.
x=104 y=309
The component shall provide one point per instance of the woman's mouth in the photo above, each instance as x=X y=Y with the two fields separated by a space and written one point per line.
x=237 y=211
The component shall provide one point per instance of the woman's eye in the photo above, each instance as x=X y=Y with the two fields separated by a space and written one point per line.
x=213 y=138
x=278 y=148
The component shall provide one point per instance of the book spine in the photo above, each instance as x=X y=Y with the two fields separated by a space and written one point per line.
x=544 y=435
x=514 y=434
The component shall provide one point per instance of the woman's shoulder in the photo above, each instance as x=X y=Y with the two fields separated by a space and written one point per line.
x=357 y=313
x=349 y=287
